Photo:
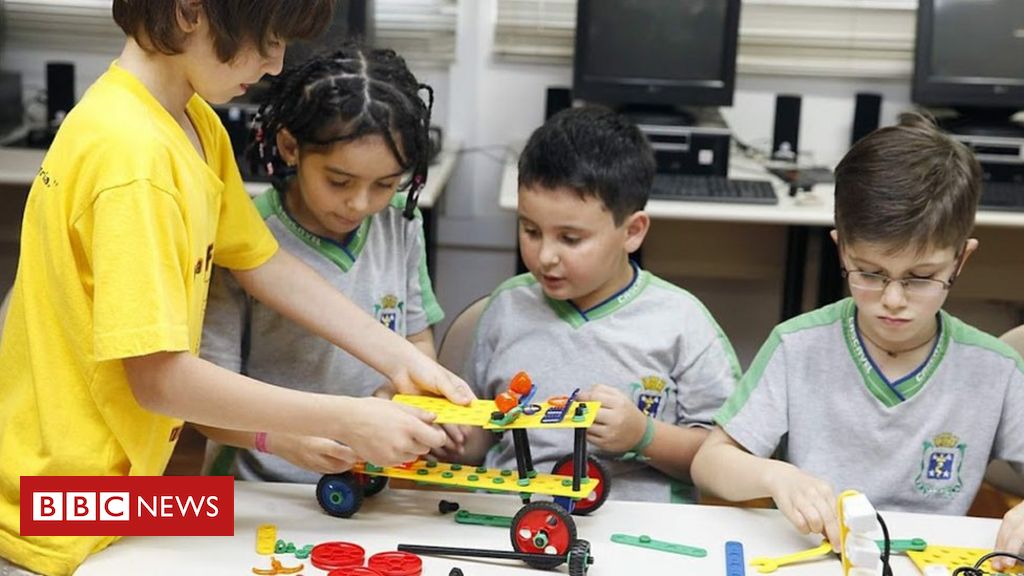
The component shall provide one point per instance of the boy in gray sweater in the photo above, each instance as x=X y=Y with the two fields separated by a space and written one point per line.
x=588 y=317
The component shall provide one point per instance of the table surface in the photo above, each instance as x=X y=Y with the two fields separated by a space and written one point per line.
x=814 y=208
x=18 y=166
x=411 y=517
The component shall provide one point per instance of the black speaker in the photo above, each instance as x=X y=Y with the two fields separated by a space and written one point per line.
x=557 y=99
x=866 y=115
x=60 y=91
x=786 y=135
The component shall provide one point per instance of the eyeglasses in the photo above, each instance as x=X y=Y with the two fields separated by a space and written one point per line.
x=879 y=282
x=913 y=286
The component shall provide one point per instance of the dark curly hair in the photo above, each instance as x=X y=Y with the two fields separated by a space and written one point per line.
x=343 y=96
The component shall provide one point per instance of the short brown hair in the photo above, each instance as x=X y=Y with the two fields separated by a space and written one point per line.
x=233 y=23
x=909 y=185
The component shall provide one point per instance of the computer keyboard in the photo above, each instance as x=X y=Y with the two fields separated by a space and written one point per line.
x=712 y=189
x=1002 y=196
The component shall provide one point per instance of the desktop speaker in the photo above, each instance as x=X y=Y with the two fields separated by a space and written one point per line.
x=866 y=115
x=786 y=134
x=60 y=91
x=557 y=99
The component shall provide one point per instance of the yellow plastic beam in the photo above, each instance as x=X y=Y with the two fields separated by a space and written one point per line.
x=480 y=478
x=478 y=413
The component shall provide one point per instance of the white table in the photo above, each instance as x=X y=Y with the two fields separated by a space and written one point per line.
x=411 y=517
x=814 y=208
x=18 y=166
x=806 y=211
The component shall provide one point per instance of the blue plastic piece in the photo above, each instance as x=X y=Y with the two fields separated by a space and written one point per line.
x=734 y=564
x=555 y=415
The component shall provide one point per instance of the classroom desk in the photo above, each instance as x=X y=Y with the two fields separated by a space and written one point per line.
x=806 y=212
x=411 y=517
x=18 y=167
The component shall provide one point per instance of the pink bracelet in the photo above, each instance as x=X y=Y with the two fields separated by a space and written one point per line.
x=261 y=442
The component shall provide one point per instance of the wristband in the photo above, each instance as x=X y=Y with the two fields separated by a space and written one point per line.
x=636 y=452
x=261 y=442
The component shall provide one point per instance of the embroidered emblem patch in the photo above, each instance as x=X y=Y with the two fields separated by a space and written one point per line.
x=388 y=311
x=651 y=390
x=941 y=460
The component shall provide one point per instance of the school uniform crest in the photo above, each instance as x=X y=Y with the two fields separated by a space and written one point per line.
x=940 y=466
x=651 y=390
x=388 y=311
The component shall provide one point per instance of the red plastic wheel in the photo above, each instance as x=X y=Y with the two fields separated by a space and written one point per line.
x=396 y=564
x=543 y=528
x=596 y=470
x=333 y=555
x=354 y=571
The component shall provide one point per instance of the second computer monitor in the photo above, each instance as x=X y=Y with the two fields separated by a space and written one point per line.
x=656 y=52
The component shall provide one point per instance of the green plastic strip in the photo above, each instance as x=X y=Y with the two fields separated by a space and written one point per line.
x=915 y=544
x=645 y=541
x=467 y=517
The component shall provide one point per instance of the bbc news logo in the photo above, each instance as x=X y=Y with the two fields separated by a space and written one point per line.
x=127 y=506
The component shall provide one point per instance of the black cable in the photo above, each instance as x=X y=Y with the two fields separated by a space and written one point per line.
x=886 y=548
x=976 y=569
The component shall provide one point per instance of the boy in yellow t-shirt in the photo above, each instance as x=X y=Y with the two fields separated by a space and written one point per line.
x=137 y=199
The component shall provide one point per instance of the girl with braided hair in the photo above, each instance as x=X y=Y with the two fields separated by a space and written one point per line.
x=340 y=136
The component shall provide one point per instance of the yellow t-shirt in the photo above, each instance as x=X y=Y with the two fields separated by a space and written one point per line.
x=122 y=225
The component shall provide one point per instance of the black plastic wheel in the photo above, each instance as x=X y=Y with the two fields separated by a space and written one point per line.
x=339 y=494
x=594 y=470
x=580 y=558
x=373 y=485
x=543 y=528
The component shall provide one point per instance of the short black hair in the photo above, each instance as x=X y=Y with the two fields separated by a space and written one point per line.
x=595 y=152
x=908 y=185
x=342 y=96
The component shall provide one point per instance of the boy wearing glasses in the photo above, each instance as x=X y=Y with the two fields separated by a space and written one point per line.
x=882 y=392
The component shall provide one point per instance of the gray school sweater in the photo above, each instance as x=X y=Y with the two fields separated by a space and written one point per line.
x=653 y=341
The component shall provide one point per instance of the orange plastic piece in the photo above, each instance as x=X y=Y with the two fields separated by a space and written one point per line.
x=505 y=402
x=277 y=568
x=520 y=384
x=558 y=401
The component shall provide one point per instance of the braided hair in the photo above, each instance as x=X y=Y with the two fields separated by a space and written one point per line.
x=342 y=96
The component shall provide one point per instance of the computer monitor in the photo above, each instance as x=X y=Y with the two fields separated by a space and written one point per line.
x=656 y=53
x=968 y=57
x=353 y=20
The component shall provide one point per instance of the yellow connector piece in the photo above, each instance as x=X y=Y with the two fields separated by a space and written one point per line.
x=266 y=538
x=478 y=413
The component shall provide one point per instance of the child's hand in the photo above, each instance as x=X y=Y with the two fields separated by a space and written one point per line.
x=807 y=501
x=426 y=375
x=1010 y=537
x=387 y=434
x=619 y=424
x=320 y=455
x=454 y=444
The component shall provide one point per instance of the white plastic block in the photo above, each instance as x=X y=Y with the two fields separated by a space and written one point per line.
x=935 y=570
x=872 y=567
x=861 y=551
x=859 y=515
